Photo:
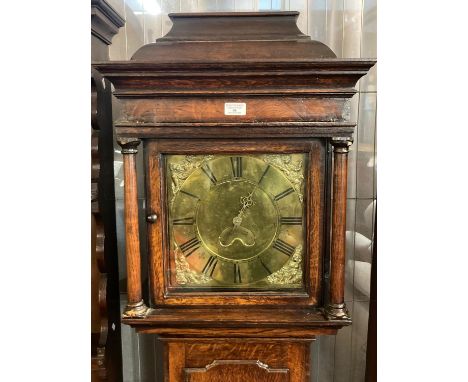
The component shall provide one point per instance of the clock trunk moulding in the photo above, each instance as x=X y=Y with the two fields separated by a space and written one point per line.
x=244 y=125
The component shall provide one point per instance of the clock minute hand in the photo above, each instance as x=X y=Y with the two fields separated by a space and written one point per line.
x=236 y=232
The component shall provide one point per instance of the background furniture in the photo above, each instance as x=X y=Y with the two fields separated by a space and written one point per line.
x=106 y=350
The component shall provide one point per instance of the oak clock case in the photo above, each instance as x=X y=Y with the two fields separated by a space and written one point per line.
x=244 y=124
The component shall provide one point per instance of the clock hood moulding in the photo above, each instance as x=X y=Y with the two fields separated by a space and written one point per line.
x=235 y=40
x=259 y=58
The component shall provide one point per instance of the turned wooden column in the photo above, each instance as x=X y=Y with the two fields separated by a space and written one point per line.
x=336 y=308
x=135 y=306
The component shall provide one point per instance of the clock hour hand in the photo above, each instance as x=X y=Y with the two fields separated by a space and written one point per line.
x=246 y=202
x=236 y=232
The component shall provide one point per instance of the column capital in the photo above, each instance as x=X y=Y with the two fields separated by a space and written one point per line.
x=341 y=144
x=129 y=145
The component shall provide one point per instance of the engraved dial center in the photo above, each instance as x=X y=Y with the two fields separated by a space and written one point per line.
x=235 y=225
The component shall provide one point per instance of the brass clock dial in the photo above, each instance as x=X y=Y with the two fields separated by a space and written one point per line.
x=237 y=220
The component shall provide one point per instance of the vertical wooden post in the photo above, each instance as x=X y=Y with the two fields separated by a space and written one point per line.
x=336 y=308
x=136 y=307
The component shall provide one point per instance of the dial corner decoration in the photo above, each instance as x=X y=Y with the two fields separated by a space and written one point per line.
x=236 y=220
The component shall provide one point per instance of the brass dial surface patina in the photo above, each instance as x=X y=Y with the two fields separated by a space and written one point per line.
x=237 y=220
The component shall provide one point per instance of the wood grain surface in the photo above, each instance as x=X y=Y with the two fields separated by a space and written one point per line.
x=172 y=95
x=338 y=243
x=132 y=236
x=243 y=360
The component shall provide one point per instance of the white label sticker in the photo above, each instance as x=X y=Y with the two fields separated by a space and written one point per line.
x=238 y=108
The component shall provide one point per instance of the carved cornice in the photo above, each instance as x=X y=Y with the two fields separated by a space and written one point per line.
x=341 y=144
x=331 y=68
x=129 y=145
x=105 y=21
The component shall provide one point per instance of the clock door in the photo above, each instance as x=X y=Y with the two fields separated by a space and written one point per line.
x=235 y=221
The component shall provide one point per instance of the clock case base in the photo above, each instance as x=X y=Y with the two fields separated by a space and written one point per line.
x=261 y=345
x=240 y=322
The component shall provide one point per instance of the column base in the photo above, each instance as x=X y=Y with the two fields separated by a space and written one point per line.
x=136 y=310
x=337 y=312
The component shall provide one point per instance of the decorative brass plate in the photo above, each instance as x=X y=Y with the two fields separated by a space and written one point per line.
x=237 y=221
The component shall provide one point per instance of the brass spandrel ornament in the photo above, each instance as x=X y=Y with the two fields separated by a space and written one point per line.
x=185 y=275
x=291 y=273
x=292 y=168
x=181 y=170
x=237 y=221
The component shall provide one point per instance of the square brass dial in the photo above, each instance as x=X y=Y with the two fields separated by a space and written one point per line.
x=236 y=221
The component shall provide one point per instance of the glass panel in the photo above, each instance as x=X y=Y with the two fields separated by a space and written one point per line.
x=118 y=48
x=359 y=341
x=365 y=146
x=335 y=26
x=368 y=83
x=118 y=172
x=264 y=5
x=168 y=6
x=236 y=220
x=188 y=5
x=349 y=269
x=354 y=112
x=314 y=360
x=369 y=29
x=118 y=5
x=300 y=6
x=363 y=249
x=153 y=20
x=146 y=365
x=364 y=220
x=244 y=5
x=318 y=20
x=120 y=231
x=226 y=5
x=374 y=191
x=369 y=43
x=139 y=353
x=326 y=358
x=352 y=28
x=343 y=345
x=130 y=363
x=207 y=5
x=134 y=24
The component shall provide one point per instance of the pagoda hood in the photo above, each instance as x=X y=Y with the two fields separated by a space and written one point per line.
x=237 y=36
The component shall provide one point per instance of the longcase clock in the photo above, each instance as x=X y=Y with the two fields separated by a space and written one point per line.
x=244 y=124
